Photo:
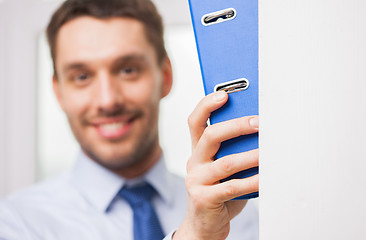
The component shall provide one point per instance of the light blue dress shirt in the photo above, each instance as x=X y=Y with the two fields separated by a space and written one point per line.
x=84 y=204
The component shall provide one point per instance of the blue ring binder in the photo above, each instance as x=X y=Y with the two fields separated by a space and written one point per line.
x=228 y=50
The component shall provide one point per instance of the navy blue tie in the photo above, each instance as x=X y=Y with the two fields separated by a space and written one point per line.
x=146 y=224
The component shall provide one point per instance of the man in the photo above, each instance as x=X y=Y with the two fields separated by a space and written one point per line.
x=110 y=73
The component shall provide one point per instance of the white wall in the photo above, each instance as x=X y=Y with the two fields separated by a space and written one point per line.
x=2 y=107
x=313 y=115
x=20 y=21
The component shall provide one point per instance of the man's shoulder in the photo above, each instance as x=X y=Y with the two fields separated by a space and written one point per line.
x=176 y=183
x=246 y=224
x=38 y=202
x=43 y=196
x=175 y=178
x=45 y=190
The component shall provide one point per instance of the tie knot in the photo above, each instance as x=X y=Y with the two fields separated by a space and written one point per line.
x=137 y=195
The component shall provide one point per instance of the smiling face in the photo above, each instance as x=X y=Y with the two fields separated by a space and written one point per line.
x=109 y=83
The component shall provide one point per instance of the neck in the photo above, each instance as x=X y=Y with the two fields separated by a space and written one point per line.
x=142 y=167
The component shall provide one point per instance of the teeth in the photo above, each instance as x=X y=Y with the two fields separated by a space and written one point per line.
x=111 y=127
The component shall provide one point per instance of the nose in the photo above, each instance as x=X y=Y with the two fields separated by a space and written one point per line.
x=108 y=94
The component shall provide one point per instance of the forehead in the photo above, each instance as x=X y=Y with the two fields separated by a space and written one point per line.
x=92 y=39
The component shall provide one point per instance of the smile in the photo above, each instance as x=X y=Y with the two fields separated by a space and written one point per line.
x=113 y=130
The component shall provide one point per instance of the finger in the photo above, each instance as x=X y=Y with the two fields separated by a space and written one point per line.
x=197 y=121
x=214 y=135
x=233 y=188
x=227 y=166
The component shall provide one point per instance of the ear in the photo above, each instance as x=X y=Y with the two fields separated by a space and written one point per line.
x=57 y=91
x=167 y=75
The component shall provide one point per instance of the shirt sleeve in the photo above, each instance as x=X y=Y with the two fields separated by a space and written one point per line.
x=11 y=225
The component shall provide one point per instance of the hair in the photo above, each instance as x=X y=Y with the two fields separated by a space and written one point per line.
x=141 y=10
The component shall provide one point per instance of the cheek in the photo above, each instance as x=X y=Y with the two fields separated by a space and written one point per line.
x=143 y=92
x=75 y=104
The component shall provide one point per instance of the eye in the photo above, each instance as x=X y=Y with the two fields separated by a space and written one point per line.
x=130 y=72
x=81 y=77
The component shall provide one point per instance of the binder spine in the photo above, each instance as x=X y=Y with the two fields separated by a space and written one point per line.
x=228 y=52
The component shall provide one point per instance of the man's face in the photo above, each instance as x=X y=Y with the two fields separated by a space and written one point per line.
x=109 y=84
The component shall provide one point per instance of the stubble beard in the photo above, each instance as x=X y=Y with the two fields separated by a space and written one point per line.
x=142 y=148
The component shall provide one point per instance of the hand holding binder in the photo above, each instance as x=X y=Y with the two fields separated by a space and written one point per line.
x=209 y=211
x=227 y=42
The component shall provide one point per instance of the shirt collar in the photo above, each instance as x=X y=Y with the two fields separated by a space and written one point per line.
x=100 y=186
x=159 y=177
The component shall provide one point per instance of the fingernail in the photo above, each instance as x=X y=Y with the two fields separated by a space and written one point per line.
x=254 y=122
x=220 y=96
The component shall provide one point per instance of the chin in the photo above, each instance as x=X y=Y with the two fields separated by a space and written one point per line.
x=116 y=157
x=117 y=165
x=114 y=162
x=120 y=155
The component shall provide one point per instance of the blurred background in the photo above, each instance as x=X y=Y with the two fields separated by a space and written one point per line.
x=35 y=141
